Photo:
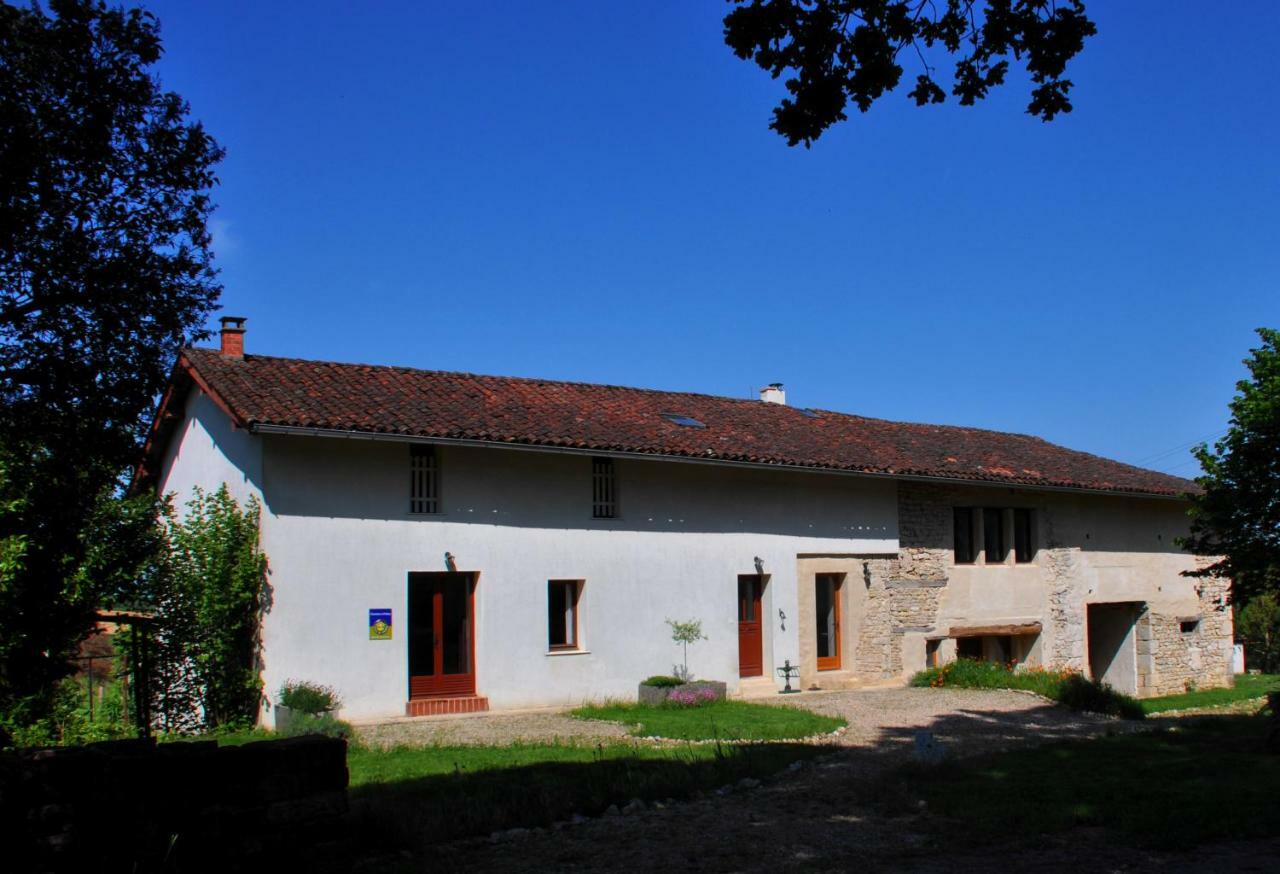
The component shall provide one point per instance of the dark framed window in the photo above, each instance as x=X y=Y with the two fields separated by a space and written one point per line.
x=1024 y=548
x=424 y=479
x=562 y=613
x=993 y=536
x=604 y=489
x=965 y=553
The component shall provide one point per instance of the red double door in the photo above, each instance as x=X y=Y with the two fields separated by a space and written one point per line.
x=441 y=634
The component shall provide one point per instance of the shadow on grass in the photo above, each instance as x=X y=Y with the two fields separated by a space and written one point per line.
x=416 y=812
x=1013 y=777
x=1171 y=787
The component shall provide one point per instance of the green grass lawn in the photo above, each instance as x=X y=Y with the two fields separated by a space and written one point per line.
x=371 y=765
x=1247 y=686
x=718 y=720
x=1205 y=780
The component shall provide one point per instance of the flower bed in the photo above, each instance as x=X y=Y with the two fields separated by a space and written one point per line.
x=689 y=694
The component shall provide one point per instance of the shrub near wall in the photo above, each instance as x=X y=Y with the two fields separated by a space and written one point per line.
x=1069 y=688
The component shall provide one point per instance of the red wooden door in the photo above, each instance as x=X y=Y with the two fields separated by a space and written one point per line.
x=441 y=635
x=750 y=631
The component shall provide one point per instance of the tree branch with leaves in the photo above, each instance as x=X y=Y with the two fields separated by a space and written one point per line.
x=833 y=52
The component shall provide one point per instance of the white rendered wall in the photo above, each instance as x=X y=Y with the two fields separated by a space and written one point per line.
x=207 y=450
x=340 y=541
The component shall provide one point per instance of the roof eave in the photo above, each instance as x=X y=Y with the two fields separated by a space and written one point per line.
x=306 y=431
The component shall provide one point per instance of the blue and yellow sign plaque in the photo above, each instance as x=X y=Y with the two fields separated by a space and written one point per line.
x=380 y=624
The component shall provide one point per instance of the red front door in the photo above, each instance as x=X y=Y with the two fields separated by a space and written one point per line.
x=750 y=632
x=441 y=634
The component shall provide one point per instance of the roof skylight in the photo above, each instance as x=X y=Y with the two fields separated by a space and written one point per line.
x=683 y=420
x=812 y=414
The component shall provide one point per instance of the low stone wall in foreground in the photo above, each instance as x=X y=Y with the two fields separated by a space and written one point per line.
x=140 y=806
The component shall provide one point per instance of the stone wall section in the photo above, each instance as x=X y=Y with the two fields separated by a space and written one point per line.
x=906 y=594
x=903 y=593
x=1171 y=660
x=1064 y=633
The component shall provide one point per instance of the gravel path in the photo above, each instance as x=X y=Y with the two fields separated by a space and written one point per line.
x=811 y=818
x=495 y=729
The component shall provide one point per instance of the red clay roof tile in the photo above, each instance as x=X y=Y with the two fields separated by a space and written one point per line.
x=262 y=390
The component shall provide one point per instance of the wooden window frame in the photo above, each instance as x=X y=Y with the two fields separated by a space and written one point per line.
x=1024 y=522
x=963 y=517
x=424 y=480
x=604 y=489
x=994 y=532
x=573 y=604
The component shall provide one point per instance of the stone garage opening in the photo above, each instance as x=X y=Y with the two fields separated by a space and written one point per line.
x=1113 y=653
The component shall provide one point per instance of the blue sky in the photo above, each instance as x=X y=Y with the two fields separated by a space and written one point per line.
x=590 y=191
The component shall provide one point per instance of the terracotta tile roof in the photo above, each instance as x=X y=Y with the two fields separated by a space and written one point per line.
x=262 y=390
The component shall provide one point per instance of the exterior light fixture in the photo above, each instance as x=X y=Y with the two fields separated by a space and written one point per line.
x=759 y=565
x=450 y=562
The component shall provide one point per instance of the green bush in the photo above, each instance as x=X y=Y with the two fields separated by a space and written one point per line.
x=307 y=697
x=663 y=681
x=68 y=722
x=1066 y=687
x=1081 y=693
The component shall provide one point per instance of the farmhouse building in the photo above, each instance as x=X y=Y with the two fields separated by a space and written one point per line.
x=445 y=542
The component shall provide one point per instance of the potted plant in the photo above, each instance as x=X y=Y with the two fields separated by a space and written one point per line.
x=657 y=689
x=302 y=701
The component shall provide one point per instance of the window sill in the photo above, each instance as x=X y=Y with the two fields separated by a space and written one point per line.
x=567 y=652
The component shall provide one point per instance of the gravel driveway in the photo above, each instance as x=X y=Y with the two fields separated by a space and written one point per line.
x=810 y=818
x=490 y=729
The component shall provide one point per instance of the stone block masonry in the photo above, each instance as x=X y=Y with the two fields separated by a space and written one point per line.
x=137 y=806
x=1087 y=550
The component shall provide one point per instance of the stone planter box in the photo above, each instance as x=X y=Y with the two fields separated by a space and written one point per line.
x=659 y=694
x=286 y=717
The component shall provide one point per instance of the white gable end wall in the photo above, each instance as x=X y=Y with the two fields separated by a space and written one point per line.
x=208 y=450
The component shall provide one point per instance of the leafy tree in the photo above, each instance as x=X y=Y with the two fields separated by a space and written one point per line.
x=209 y=592
x=836 y=51
x=1236 y=517
x=1258 y=628
x=105 y=271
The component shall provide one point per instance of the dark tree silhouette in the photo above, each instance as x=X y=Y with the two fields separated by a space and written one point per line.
x=105 y=271
x=836 y=51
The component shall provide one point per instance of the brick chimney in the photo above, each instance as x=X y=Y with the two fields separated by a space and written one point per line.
x=233 y=336
x=773 y=394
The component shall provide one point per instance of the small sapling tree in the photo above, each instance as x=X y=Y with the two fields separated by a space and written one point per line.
x=685 y=633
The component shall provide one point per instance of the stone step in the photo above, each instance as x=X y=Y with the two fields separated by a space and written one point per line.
x=446 y=706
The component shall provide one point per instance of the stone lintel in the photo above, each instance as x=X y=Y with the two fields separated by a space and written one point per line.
x=915 y=584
